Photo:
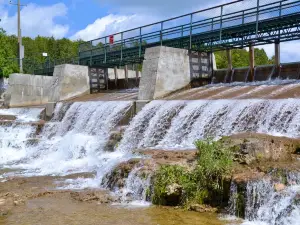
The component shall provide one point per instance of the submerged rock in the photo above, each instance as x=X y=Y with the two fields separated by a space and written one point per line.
x=202 y=208
x=90 y=196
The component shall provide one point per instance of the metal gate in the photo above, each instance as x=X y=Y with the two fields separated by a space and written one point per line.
x=98 y=79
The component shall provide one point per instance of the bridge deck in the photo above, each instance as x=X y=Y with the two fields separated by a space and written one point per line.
x=278 y=20
x=234 y=25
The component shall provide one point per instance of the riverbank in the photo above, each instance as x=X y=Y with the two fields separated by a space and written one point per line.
x=34 y=200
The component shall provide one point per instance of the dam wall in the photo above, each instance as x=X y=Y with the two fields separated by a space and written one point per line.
x=25 y=90
x=68 y=81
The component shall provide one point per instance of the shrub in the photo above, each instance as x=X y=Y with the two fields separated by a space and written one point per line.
x=214 y=162
x=200 y=185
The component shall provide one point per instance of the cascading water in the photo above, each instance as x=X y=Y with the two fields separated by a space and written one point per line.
x=15 y=135
x=264 y=205
x=177 y=124
x=136 y=186
x=72 y=142
x=75 y=139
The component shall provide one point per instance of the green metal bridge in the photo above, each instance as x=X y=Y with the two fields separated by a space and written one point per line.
x=234 y=25
x=237 y=24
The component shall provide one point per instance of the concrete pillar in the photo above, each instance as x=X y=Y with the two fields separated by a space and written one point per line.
x=277 y=57
x=50 y=107
x=116 y=77
x=251 y=62
x=165 y=70
x=229 y=57
x=137 y=72
x=126 y=76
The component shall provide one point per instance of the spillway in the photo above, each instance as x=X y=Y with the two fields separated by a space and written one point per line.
x=75 y=139
x=177 y=124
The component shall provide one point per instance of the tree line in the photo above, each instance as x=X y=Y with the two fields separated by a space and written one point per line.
x=66 y=49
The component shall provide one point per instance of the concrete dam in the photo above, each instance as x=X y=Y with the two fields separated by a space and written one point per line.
x=78 y=137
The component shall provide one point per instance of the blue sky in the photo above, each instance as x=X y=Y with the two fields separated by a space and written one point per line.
x=90 y=19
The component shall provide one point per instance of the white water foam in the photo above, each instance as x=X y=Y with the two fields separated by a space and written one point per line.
x=265 y=206
x=15 y=135
x=72 y=142
x=177 y=124
x=134 y=193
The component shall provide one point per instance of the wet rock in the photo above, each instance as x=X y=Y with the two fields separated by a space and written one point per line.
x=32 y=142
x=8 y=117
x=114 y=139
x=279 y=187
x=2 y=201
x=90 y=196
x=116 y=179
x=202 y=208
x=250 y=148
x=16 y=203
x=161 y=157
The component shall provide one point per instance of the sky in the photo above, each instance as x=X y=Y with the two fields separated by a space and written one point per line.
x=90 y=19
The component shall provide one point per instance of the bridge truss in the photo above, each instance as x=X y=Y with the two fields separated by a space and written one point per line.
x=234 y=25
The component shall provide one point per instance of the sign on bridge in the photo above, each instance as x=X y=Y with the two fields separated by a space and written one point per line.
x=111 y=39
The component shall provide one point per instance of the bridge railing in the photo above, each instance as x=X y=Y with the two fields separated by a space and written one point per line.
x=214 y=19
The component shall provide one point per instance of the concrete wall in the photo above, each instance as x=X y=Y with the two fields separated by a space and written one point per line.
x=69 y=81
x=25 y=89
x=121 y=74
x=165 y=70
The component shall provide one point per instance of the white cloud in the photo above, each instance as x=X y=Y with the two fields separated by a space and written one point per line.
x=109 y=25
x=289 y=51
x=37 y=20
x=159 y=7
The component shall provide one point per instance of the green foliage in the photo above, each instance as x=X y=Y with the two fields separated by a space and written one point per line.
x=7 y=66
x=168 y=175
x=240 y=58
x=213 y=164
x=56 y=49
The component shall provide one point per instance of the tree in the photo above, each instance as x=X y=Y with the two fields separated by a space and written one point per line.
x=7 y=63
x=240 y=58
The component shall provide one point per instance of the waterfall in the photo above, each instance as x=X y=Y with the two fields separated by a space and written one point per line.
x=267 y=206
x=15 y=136
x=177 y=124
x=72 y=142
x=136 y=187
x=75 y=140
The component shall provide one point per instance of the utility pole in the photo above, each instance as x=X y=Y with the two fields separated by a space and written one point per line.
x=21 y=47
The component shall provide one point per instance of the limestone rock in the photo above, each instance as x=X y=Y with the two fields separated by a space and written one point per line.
x=279 y=187
x=2 y=201
x=251 y=147
x=202 y=208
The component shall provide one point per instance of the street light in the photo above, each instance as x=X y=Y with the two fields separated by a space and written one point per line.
x=45 y=54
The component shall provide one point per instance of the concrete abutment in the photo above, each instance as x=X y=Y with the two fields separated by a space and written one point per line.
x=166 y=70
